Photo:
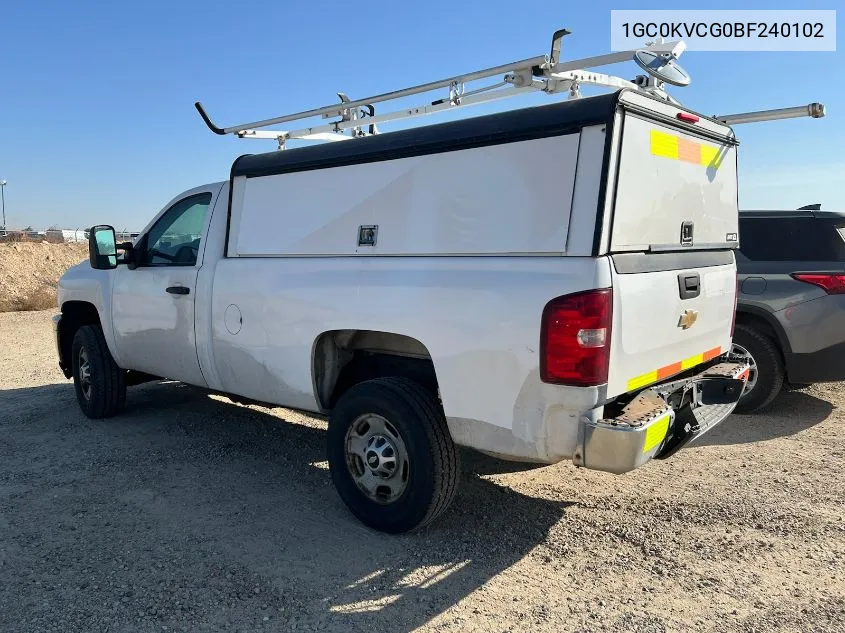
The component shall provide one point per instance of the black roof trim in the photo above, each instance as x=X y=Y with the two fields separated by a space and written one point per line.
x=493 y=129
x=790 y=213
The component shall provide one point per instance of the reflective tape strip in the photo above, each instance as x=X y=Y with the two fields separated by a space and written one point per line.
x=685 y=150
x=642 y=381
x=692 y=361
x=671 y=370
x=710 y=354
x=663 y=144
x=711 y=156
x=656 y=433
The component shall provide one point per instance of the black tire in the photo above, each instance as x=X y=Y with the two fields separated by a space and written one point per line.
x=103 y=394
x=770 y=372
x=433 y=462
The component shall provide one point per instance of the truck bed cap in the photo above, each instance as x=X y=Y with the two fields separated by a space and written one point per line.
x=491 y=129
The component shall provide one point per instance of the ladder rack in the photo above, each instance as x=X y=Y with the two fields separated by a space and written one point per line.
x=544 y=73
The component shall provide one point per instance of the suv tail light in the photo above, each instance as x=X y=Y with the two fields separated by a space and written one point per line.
x=831 y=283
x=736 y=299
x=575 y=339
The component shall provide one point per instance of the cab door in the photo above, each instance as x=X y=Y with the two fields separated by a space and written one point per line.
x=154 y=303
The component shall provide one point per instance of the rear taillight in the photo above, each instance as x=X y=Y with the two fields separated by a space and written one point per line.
x=575 y=339
x=832 y=283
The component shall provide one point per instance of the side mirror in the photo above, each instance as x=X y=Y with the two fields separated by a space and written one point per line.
x=102 y=247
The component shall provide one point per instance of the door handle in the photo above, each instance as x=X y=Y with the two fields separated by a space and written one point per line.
x=178 y=290
x=689 y=285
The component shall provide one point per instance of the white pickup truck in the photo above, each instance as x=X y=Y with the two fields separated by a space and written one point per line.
x=543 y=284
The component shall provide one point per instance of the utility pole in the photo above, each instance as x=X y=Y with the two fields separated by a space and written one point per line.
x=3 y=198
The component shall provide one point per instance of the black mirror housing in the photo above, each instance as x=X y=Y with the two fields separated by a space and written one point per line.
x=102 y=247
x=129 y=255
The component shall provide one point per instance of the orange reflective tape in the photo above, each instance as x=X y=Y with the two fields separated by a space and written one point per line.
x=677 y=148
x=689 y=151
x=712 y=353
x=670 y=370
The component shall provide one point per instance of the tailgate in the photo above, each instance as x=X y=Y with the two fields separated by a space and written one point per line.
x=656 y=333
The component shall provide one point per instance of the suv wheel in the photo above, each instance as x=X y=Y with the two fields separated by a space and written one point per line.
x=390 y=454
x=765 y=379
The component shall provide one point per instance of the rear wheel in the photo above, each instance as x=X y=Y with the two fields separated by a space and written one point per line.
x=765 y=379
x=99 y=383
x=390 y=454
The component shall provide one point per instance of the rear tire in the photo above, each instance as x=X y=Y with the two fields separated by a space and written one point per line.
x=391 y=457
x=100 y=384
x=769 y=368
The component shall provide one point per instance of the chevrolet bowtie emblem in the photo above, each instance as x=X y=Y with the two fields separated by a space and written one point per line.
x=688 y=319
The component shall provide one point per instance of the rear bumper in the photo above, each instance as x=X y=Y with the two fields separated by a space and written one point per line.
x=660 y=420
x=825 y=365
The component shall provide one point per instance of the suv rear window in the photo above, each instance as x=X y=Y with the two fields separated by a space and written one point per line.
x=791 y=239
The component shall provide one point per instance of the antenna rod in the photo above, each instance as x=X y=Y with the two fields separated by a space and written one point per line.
x=813 y=110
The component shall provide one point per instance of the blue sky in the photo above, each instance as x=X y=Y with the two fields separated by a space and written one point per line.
x=96 y=101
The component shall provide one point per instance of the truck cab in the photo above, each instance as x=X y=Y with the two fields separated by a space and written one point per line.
x=146 y=328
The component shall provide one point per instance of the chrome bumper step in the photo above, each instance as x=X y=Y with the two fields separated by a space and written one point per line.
x=650 y=427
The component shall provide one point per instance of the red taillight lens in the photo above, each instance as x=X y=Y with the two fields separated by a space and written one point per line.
x=832 y=283
x=575 y=339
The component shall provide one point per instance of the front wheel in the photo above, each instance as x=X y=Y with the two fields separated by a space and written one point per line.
x=390 y=454
x=100 y=384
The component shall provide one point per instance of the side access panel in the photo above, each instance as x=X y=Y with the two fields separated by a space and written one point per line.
x=511 y=198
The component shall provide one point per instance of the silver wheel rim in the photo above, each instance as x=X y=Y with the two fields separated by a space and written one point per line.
x=740 y=353
x=377 y=458
x=84 y=373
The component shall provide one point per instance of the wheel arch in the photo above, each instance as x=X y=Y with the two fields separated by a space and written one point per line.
x=75 y=314
x=344 y=358
x=765 y=322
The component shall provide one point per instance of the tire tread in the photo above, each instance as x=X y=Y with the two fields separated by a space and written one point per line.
x=770 y=358
x=447 y=460
x=114 y=378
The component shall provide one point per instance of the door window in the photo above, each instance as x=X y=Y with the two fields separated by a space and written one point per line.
x=175 y=239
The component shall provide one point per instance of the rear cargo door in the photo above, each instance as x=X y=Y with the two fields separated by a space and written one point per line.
x=672 y=181
x=673 y=225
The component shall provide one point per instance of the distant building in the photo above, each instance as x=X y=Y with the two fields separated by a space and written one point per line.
x=65 y=235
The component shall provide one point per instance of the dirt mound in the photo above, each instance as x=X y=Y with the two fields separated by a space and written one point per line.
x=29 y=273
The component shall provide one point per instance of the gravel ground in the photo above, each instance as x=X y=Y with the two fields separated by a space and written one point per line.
x=190 y=513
